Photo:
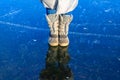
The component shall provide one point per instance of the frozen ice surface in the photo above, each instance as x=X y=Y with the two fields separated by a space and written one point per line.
x=93 y=53
x=24 y=52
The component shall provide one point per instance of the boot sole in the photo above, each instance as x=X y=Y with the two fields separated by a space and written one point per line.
x=64 y=44
x=53 y=44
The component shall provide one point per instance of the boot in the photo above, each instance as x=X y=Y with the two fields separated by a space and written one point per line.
x=63 y=29
x=53 y=20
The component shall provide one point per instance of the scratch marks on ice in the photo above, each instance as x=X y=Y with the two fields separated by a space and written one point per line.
x=11 y=13
x=74 y=33
x=20 y=25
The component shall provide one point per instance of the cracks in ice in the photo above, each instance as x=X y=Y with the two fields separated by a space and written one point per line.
x=75 y=33
x=99 y=24
x=21 y=25
x=12 y=12
x=97 y=35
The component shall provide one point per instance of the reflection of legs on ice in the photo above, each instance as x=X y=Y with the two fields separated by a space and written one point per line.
x=59 y=26
x=57 y=65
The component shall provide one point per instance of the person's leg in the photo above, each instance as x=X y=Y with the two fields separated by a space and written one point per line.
x=65 y=20
x=53 y=22
x=50 y=11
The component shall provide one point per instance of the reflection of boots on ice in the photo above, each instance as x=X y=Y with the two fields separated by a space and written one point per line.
x=63 y=59
x=51 y=57
x=50 y=70
x=63 y=55
x=57 y=67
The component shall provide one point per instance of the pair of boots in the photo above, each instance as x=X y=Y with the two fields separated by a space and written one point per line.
x=58 y=25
